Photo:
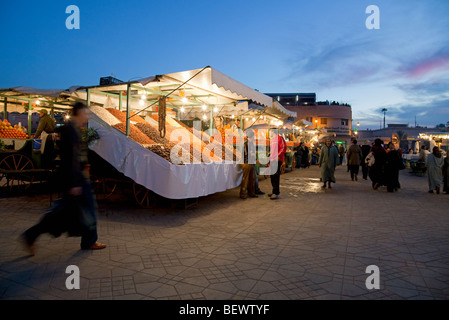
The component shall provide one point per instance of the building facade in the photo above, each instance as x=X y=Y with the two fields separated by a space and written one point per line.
x=336 y=118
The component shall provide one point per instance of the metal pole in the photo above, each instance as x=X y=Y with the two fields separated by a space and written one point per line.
x=211 y=120
x=128 y=91
x=88 y=98
x=120 y=103
x=5 y=109
x=29 y=119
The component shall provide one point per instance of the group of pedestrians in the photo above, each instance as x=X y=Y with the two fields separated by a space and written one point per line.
x=380 y=164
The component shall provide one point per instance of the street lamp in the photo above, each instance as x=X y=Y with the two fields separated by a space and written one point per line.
x=384 y=110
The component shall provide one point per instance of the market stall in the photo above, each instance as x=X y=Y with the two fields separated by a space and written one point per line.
x=21 y=162
x=140 y=129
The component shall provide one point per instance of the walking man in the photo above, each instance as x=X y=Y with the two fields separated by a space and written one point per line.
x=76 y=212
x=327 y=162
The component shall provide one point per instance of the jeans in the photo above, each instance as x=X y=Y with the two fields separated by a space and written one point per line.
x=275 y=179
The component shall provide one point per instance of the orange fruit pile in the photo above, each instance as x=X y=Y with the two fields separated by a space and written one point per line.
x=10 y=132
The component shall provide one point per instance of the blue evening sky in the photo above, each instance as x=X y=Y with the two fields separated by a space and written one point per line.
x=320 y=46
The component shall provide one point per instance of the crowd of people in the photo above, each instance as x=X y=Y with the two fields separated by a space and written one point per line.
x=379 y=162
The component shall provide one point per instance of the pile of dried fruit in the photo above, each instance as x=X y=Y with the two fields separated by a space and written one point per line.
x=104 y=114
x=151 y=132
x=162 y=150
x=118 y=114
x=134 y=133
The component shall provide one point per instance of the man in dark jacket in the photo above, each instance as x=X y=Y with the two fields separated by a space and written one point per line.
x=76 y=212
x=45 y=130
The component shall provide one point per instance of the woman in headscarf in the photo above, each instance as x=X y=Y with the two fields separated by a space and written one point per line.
x=434 y=165
x=393 y=163
x=376 y=172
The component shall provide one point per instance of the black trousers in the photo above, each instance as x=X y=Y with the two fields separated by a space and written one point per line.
x=276 y=178
x=354 y=169
x=65 y=217
x=365 y=171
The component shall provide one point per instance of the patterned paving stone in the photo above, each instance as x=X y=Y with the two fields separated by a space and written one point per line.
x=311 y=244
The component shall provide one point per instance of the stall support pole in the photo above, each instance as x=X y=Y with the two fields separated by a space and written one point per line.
x=5 y=109
x=88 y=102
x=128 y=91
x=29 y=119
x=120 y=102
x=211 y=127
x=88 y=97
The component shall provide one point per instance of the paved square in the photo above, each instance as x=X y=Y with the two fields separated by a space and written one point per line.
x=309 y=244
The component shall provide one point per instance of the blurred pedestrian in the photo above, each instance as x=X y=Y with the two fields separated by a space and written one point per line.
x=353 y=157
x=393 y=163
x=341 y=153
x=248 y=184
x=376 y=171
x=434 y=165
x=446 y=174
x=299 y=152
x=278 y=147
x=327 y=162
x=76 y=212
x=365 y=150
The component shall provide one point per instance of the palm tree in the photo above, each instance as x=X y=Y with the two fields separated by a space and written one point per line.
x=384 y=110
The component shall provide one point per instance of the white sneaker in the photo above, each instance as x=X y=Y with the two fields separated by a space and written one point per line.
x=274 y=196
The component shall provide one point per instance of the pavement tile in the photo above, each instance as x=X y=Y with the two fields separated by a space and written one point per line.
x=311 y=244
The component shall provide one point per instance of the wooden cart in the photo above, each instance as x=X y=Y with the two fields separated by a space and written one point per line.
x=19 y=169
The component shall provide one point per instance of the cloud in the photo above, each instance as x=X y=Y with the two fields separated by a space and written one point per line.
x=428 y=113
x=436 y=63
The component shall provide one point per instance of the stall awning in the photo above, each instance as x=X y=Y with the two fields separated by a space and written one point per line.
x=46 y=98
x=27 y=91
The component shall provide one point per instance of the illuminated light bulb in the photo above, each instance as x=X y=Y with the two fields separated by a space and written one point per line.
x=204 y=117
x=184 y=99
x=232 y=116
x=67 y=117
x=38 y=102
x=144 y=97
x=141 y=102
x=203 y=107
x=215 y=109
x=254 y=119
x=182 y=109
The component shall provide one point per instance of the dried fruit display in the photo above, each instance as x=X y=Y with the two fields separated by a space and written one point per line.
x=151 y=132
x=162 y=150
x=134 y=133
x=104 y=114
x=136 y=118
x=118 y=114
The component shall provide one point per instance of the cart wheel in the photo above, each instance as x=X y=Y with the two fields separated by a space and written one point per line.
x=144 y=197
x=16 y=174
x=103 y=187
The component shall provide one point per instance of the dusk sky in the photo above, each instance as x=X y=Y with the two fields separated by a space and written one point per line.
x=318 y=46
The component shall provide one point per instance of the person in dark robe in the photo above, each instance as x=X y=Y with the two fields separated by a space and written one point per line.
x=393 y=163
x=76 y=212
x=365 y=150
x=446 y=174
x=353 y=157
x=376 y=172
x=328 y=160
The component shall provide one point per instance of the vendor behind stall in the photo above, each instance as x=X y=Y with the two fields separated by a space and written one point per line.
x=45 y=132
